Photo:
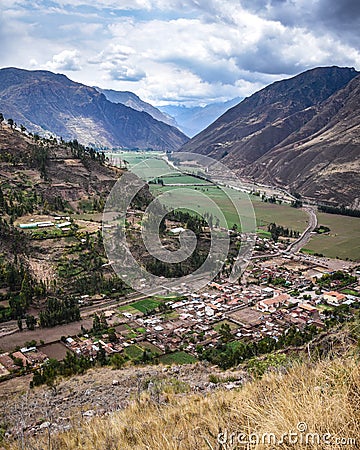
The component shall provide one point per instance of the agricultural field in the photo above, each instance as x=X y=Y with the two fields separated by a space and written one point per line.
x=196 y=196
x=342 y=241
x=177 y=358
x=134 y=351
x=129 y=159
x=149 y=346
x=128 y=309
x=146 y=305
x=284 y=215
x=265 y=213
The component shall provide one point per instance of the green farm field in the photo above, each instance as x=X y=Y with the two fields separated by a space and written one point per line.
x=150 y=163
x=177 y=358
x=146 y=305
x=265 y=213
x=134 y=351
x=343 y=240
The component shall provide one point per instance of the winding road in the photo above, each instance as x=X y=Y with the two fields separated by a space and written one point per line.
x=304 y=238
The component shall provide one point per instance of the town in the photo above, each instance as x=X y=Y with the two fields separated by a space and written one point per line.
x=279 y=291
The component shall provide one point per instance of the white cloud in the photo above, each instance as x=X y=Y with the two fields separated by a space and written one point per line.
x=178 y=50
x=123 y=5
x=68 y=60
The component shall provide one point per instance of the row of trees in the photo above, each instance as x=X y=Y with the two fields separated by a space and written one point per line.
x=339 y=210
x=278 y=230
x=59 y=311
x=80 y=151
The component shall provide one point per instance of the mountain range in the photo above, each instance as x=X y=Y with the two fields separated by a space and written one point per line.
x=45 y=102
x=189 y=119
x=192 y=120
x=133 y=101
x=301 y=133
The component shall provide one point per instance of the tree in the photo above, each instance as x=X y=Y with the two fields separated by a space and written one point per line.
x=11 y=123
x=20 y=324
x=96 y=323
x=1 y=118
x=101 y=356
x=112 y=335
x=117 y=360
x=225 y=332
x=103 y=322
x=30 y=322
x=26 y=291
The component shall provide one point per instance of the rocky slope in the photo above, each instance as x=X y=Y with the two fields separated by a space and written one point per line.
x=322 y=159
x=48 y=102
x=301 y=133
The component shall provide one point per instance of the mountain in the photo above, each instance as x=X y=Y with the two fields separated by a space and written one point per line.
x=301 y=133
x=51 y=103
x=192 y=120
x=133 y=101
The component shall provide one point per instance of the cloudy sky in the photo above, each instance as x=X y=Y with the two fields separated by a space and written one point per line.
x=179 y=51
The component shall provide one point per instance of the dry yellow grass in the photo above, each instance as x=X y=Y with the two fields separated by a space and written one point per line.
x=325 y=396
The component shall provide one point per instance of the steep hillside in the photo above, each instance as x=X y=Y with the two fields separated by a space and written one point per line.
x=254 y=136
x=133 y=101
x=52 y=170
x=322 y=159
x=48 y=102
x=47 y=191
x=316 y=401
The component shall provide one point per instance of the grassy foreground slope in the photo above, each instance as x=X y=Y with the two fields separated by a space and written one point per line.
x=325 y=396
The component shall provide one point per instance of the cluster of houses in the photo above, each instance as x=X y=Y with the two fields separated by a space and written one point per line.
x=255 y=311
x=89 y=347
x=24 y=358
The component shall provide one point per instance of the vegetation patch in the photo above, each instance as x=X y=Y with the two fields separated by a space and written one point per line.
x=128 y=309
x=258 y=366
x=322 y=229
x=147 y=305
x=149 y=346
x=232 y=325
x=177 y=358
x=134 y=352
x=351 y=292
